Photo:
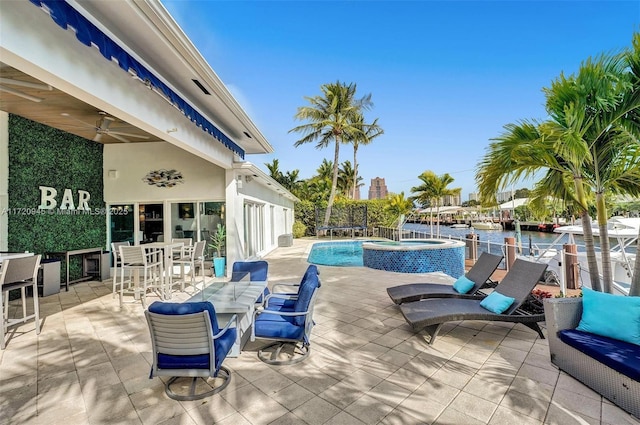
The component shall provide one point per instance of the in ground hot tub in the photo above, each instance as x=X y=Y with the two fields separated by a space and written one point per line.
x=415 y=256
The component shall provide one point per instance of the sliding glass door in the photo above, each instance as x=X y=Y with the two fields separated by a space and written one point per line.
x=158 y=222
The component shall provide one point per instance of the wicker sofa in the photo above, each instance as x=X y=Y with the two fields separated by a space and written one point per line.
x=609 y=367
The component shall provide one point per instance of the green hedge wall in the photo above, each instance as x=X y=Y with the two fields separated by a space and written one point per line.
x=44 y=156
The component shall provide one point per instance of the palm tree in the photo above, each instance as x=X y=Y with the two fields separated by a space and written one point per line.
x=346 y=178
x=581 y=147
x=520 y=152
x=325 y=170
x=288 y=180
x=593 y=104
x=316 y=190
x=433 y=189
x=274 y=170
x=331 y=118
x=632 y=123
x=425 y=197
x=368 y=133
x=399 y=205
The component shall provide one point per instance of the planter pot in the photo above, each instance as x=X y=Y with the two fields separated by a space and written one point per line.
x=218 y=266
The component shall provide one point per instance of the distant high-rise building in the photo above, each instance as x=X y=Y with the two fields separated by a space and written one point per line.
x=449 y=200
x=473 y=196
x=502 y=197
x=378 y=189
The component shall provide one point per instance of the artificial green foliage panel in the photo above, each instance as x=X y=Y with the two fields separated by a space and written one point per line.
x=44 y=156
x=377 y=213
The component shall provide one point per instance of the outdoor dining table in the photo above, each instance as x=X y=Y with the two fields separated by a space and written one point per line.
x=10 y=255
x=229 y=298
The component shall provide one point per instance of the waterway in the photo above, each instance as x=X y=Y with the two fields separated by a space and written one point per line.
x=495 y=238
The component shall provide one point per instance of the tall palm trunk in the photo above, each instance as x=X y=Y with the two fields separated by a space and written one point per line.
x=605 y=250
x=431 y=220
x=355 y=170
x=334 y=182
x=438 y=218
x=589 y=243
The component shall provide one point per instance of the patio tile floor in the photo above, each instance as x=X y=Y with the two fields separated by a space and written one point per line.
x=90 y=365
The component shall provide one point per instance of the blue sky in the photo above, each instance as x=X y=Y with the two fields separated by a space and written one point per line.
x=445 y=77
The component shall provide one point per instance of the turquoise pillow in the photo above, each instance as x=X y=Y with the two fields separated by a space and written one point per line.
x=496 y=302
x=614 y=316
x=463 y=285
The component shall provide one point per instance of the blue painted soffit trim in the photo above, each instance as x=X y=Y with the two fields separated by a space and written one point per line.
x=87 y=33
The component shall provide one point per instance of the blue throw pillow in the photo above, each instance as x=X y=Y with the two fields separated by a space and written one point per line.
x=463 y=285
x=615 y=316
x=496 y=302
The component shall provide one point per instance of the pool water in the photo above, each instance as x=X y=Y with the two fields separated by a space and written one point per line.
x=341 y=254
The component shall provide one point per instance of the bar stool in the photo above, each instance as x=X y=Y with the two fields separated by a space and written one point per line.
x=18 y=273
x=135 y=259
x=187 y=245
x=117 y=265
x=192 y=258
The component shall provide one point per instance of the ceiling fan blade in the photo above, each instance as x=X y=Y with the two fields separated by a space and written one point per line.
x=120 y=133
x=76 y=119
x=20 y=83
x=21 y=94
x=97 y=137
x=115 y=136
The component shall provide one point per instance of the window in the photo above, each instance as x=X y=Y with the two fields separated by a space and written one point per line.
x=151 y=218
x=122 y=223
x=253 y=228
x=272 y=221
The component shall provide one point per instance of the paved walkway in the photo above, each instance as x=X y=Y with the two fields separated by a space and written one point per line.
x=90 y=365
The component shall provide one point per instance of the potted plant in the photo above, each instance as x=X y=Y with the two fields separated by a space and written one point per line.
x=217 y=243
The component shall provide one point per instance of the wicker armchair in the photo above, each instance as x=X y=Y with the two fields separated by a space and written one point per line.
x=565 y=313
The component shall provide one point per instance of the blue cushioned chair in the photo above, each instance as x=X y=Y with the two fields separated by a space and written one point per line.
x=254 y=270
x=187 y=342
x=288 y=325
x=283 y=295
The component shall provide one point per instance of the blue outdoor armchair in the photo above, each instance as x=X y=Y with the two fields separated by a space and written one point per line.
x=255 y=270
x=284 y=294
x=287 y=322
x=187 y=342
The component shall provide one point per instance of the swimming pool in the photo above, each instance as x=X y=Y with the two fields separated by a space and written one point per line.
x=407 y=256
x=341 y=254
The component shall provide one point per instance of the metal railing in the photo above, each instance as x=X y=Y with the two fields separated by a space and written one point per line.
x=561 y=263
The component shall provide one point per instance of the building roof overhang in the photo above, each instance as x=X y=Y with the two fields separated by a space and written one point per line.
x=147 y=31
x=246 y=171
x=148 y=28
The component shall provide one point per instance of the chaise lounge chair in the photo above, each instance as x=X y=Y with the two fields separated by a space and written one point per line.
x=479 y=274
x=431 y=314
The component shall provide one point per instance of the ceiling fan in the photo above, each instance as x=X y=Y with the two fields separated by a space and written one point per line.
x=20 y=83
x=102 y=128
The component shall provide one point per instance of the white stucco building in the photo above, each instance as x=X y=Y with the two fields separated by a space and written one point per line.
x=123 y=74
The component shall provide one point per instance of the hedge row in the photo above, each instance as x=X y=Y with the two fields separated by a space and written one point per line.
x=305 y=215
